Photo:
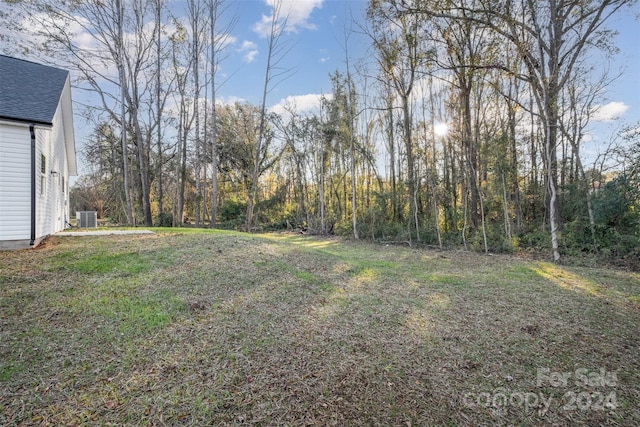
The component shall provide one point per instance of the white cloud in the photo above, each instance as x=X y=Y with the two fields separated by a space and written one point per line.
x=325 y=56
x=93 y=51
x=250 y=51
x=609 y=112
x=301 y=104
x=588 y=137
x=249 y=57
x=230 y=100
x=263 y=26
x=295 y=12
x=223 y=40
x=248 y=45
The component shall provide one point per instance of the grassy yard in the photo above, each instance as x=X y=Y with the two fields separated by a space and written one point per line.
x=194 y=327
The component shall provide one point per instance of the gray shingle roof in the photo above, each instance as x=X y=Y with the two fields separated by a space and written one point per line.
x=29 y=92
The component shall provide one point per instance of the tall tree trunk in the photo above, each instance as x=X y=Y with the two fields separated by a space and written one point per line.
x=213 y=16
x=514 y=181
x=408 y=143
x=194 y=11
x=276 y=31
x=553 y=199
x=470 y=152
x=323 y=168
x=160 y=161
x=183 y=174
x=391 y=144
x=352 y=150
x=123 y=122
x=143 y=164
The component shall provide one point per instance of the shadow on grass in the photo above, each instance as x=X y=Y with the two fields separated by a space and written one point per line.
x=230 y=329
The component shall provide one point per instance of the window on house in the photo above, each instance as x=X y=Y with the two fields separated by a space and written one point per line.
x=43 y=173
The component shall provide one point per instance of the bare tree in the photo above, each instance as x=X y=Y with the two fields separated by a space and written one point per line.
x=218 y=38
x=123 y=127
x=160 y=100
x=214 y=49
x=351 y=117
x=398 y=41
x=273 y=72
x=549 y=37
x=119 y=39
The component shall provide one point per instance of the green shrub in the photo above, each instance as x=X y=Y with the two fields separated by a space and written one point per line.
x=232 y=210
x=164 y=219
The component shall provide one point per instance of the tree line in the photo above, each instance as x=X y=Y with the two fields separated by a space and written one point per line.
x=463 y=125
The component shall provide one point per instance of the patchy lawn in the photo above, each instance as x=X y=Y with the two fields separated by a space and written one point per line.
x=194 y=327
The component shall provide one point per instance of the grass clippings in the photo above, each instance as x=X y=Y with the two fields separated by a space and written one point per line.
x=219 y=328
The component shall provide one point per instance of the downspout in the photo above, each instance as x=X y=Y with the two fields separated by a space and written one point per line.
x=33 y=185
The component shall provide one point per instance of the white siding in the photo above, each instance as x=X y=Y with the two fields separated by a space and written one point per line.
x=53 y=213
x=51 y=203
x=43 y=183
x=15 y=182
x=59 y=200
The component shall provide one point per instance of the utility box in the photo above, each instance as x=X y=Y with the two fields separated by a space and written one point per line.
x=87 y=219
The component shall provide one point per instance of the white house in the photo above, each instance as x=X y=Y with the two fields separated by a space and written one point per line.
x=37 y=151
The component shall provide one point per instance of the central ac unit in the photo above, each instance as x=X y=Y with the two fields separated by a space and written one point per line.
x=87 y=219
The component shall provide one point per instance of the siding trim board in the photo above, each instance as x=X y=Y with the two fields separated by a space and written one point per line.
x=32 y=131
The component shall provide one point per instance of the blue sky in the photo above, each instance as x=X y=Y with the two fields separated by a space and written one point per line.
x=620 y=104
x=627 y=88
x=317 y=49
x=315 y=40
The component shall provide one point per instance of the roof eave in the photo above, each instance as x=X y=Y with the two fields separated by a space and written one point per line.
x=27 y=122
x=69 y=134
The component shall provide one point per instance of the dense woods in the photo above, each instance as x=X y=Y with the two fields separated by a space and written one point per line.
x=462 y=126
